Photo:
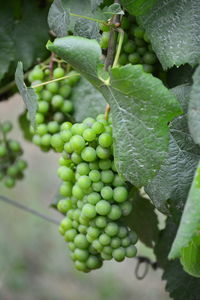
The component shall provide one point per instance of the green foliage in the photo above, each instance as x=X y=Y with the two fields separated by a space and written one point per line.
x=138 y=7
x=141 y=112
x=23 y=34
x=168 y=25
x=143 y=219
x=58 y=18
x=190 y=220
x=28 y=94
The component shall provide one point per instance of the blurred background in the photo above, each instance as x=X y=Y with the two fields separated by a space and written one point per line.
x=34 y=262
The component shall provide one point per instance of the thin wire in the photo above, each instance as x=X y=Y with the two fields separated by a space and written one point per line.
x=27 y=209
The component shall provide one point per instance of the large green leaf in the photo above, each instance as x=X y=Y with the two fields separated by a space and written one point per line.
x=176 y=174
x=138 y=7
x=194 y=108
x=143 y=219
x=179 y=284
x=83 y=100
x=23 y=35
x=28 y=94
x=141 y=108
x=58 y=18
x=190 y=220
x=173 y=27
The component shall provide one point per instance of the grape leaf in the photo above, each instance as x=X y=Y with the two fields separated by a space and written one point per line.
x=113 y=9
x=179 y=284
x=140 y=105
x=138 y=7
x=58 y=18
x=7 y=54
x=190 y=219
x=194 y=108
x=174 y=29
x=176 y=174
x=95 y=3
x=87 y=28
x=83 y=101
x=28 y=94
x=143 y=219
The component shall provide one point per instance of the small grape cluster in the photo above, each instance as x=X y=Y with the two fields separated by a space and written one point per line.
x=95 y=198
x=11 y=165
x=54 y=104
x=136 y=47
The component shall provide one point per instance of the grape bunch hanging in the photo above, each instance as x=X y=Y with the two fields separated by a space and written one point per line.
x=11 y=165
x=95 y=198
x=136 y=48
x=54 y=104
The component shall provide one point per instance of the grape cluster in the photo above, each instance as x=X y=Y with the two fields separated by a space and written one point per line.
x=11 y=165
x=54 y=105
x=95 y=198
x=136 y=47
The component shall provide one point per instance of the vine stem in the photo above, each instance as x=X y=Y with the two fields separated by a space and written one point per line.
x=27 y=209
x=119 y=47
x=53 y=80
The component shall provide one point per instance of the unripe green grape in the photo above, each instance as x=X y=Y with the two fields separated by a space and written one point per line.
x=126 y=208
x=66 y=126
x=89 y=211
x=105 y=140
x=81 y=255
x=115 y=213
x=6 y=126
x=66 y=189
x=118 y=181
x=133 y=237
x=97 y=186
x=77 y=192
x=89 y=134
x=83 y=168
x=39 y=118
x=37 y=74
x=80 y=266
x=105 y=256
x=57 y=101
x=104 y=40
x=70 y=235
x=93 y=198
x=65 y=173
x=84 y=182
x=67 y=107
x=66 y=135
x=3 y=150
x=101 y=221
x=103 y=207
x=21 y=165
x=58 y=117
x=74 y=77
x=65 y=91
x=53 y=87
x=71 y=246
x=89 y=121
x=80 y=241
x=43 y=107
x=53 y=127
x=104 y=239
x=66 y=224
x=76 y=158
x=141 y=50
x=93 y=262
x=77 y=142
x=123 y=59
x=42 y=129
x=36 y=140
x=112 y=229
x=98 y=127
x=115 y=242
x=88 y=154
x=82 y=229
x=56 y=141
x=46 y=140
x=95 y=175
x=139 y=42
x=138 y=32
x=75 y=224
x=149 y=58
x=119 y=254
x=12 y=171
x=37 y=89
x=9 y=182
x=97 y=245
x=93 y=232
x=134 y=58
x=107 y=250
x=58 y=72
x=14 y=146
x=103 y=153
x=76 y=214
x=129 y=47
x=107 y=193
x=46 y=95
x=94 y=165
x=107 y=176
x=64 y=205
x=120 y=194
x=123 y=231
x=68 y=147
x=131 y=251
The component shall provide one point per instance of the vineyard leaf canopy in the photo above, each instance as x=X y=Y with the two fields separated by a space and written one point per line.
x=141 y=108
x=190 y=220
x=138 y=7
x=58 y=18
x=194 y=107
x=176 y=173
x=28 y=94
x=174 y=29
